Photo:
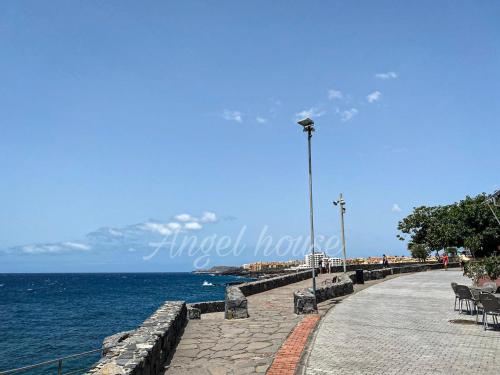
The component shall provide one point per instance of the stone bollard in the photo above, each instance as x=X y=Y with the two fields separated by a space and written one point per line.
x=193 y=313
x=236 y=304
x=360 y=279
x=304 y=302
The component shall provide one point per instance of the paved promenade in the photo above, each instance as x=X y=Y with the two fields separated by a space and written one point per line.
x=402 y=326
x=215 y=346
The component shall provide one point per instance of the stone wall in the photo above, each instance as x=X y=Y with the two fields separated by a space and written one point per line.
x=305 y=303
x=236 y=302
x=208 y=306
x=383 y=272
x=259 y=286
x=369 y=267
x=144 y=351
x=196 y=309
x=338 y=289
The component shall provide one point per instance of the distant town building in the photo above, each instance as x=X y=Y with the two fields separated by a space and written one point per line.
x=263 y=266
x=314 y=260
x=334 y=262
x=321 y=259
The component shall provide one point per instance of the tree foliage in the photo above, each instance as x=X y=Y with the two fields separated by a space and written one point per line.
x=419 y=251
x=468 y=223
x=487 y=267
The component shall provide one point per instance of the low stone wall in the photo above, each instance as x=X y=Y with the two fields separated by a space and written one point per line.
x=143 y=351
x=383 y=272
x=305 y=303
x=208 y=306
x=259 y=286
x=196 y=309
x=369 y=267
x=236 y=302
x=339 y=289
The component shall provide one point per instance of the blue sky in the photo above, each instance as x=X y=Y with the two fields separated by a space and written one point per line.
x=118 y=116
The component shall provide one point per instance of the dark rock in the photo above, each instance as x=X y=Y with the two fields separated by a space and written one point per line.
x=194 y=313
x=304 y=302
x=236 y=304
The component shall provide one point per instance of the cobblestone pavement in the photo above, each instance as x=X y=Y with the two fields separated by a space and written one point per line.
x=402 y=326
x=213 y=345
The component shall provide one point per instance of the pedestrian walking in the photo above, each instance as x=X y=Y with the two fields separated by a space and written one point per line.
x=445 y=261
x=385 y=261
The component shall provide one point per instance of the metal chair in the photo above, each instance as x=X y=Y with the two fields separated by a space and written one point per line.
x=477 y=302
x=491 y=306
x=457 y=298
x=464 y=294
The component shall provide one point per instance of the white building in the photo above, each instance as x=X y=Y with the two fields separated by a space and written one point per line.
x=333 y=262
x=316 y=261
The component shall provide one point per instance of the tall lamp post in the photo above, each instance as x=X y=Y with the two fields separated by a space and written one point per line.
x=341 y=204
x=308 y=126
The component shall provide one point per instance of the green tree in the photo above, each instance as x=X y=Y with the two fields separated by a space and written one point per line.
x=419 y=251
x=468 y=223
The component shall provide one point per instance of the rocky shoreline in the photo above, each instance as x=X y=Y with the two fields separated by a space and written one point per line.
x=239 y=271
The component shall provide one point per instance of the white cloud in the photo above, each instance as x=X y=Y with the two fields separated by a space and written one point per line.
x=165 y=229
x=311 y=112
x=77 y=245
x=184 y=217
x=55 y=248
x=208 y=217
x=174 y=227
x=335 y=94
x=374 y=96
x=42 y=249
x=115 y=232
x=396 y=208
x=261 y=120
x=128 y=238
x=348 y=114
x=388 y=75
x=232 y=115
x=159 y=228
x=192 y=226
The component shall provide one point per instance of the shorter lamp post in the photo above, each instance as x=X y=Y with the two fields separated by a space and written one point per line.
x=341 y=203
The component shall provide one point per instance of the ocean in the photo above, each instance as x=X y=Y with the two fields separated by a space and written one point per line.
x=46 y=316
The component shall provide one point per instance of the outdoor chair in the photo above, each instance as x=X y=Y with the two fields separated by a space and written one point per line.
x=491 y=306
x=465 y=295
x=457 y=298
x=489 y=287
x=477 y=301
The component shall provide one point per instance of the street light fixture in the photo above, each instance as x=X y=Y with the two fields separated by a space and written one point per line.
x=494 y=201
x=308 y=126
x=341 y=204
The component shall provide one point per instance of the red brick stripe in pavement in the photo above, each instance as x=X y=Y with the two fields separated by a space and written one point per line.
x=288 y=357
